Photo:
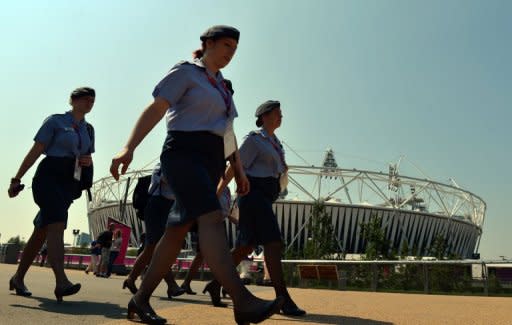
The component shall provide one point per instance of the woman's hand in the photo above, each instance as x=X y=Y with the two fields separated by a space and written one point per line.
x=85 y=161
x=15 y=188
x=242 y=183
x=124 y=158
x=146 y=122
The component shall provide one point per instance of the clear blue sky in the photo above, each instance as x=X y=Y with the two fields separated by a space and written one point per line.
x=430 y=80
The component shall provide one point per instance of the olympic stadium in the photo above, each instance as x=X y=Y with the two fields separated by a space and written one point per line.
x=414 y=210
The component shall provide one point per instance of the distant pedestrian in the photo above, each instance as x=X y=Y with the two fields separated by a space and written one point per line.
x=105 y=241
x=95 y=251
x=114 y=250
x=43 y=253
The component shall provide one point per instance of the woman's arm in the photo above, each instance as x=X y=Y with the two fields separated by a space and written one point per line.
x=146 y=122
x=31 y=157
x=242 y=183
x=29 y=160
x=228 y=176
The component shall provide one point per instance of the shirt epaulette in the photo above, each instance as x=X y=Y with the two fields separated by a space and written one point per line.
x=57 y=115
x=181 y=63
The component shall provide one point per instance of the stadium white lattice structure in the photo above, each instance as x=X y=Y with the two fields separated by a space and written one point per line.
x=414 y=211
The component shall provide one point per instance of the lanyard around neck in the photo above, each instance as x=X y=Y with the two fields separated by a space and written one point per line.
x=279 y=150
x=77 y=131
x=226 y=94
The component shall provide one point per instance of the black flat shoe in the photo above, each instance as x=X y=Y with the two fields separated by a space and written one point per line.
x=213 y=288
x=147 y=315
x=20 y=290
x=257 y=316
x=130 y=285
x=67 y=291
x=187 y=289
x=224 y=293
x=292 y=310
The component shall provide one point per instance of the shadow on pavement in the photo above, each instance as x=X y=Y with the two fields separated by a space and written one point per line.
x=184 y=300
x=333 y=319
x=77 y=307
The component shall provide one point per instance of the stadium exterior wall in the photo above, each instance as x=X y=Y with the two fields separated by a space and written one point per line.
x=418 y=229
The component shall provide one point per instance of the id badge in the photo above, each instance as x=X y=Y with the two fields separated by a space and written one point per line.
x=283 y=181
x=229 y=141
x=78 y=170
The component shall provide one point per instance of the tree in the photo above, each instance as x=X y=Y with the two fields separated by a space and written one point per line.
x=438 y=248
x=377 y=246
x=17 y=241
x=322 y=241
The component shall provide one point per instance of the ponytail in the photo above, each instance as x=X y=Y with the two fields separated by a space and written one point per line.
x=197 y=54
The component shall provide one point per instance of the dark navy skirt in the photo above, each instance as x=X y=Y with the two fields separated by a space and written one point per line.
x=257 y=223
x=155 y=218
x=54 y=189
x=193 y=163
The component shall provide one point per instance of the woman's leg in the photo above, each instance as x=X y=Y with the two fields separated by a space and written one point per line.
x=30 y=251
x=105 y=260
x=173 y=289
x=55 y=239
x=266 y=275
x=273 y=261
x=138 y=267
x=167 y=249
x=192 y=272
x=92 y=265
x=112 y=258
x=216 y=252
x=141 y=262
x=213 y=287
x=98 y=265
x=247 y=308
x=240 y=253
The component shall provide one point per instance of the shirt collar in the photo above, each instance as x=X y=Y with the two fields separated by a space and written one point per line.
x=265 y=135
x=71 y=119
x=200 y=63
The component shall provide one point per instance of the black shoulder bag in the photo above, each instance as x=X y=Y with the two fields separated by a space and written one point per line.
x=88 y=171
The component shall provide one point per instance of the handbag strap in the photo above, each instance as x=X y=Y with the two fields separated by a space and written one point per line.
x=90 y=131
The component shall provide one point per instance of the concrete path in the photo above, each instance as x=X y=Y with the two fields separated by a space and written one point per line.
x=102 y=301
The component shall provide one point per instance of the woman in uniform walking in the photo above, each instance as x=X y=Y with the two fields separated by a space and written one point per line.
x=263 y=160
x=199 y=112
x=67 y=141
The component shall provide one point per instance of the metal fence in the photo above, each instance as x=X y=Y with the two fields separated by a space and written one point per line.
x=443 y=276
x=426 y=276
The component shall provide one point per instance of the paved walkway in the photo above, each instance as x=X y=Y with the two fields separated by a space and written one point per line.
x=101 y=301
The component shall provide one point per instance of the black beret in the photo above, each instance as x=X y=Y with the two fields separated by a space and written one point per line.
x=219 y=31
x=267 y=107
x=82 y=92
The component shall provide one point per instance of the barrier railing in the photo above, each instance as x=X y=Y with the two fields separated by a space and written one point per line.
x=400 y=275
x=433 y=275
